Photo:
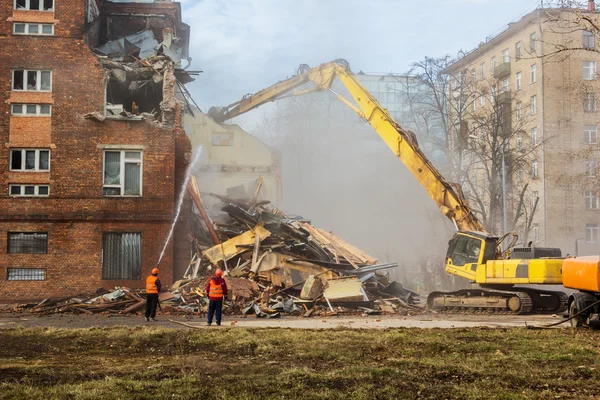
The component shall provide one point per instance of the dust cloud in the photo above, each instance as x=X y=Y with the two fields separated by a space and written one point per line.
x=338 y=173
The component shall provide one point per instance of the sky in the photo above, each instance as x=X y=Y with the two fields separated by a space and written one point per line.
x=246 y=45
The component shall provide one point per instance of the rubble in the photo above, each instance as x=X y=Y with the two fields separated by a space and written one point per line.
x=273 y=264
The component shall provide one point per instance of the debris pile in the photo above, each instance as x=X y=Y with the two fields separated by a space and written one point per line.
x=273 y=264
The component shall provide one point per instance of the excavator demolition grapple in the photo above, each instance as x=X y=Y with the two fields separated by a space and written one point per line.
x=490 y=261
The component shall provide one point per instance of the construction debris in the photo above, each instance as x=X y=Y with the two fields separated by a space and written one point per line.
x=274 y=265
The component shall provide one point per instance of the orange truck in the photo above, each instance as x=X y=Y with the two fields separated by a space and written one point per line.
x=583 y=274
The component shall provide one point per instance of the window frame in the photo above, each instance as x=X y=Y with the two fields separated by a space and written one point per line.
x=535 y=169
x=505 y=85
x=589 y=102
x=594 y=229
x=534 y=135
x=22 y=190
x=28 y=6
x=8 y=242
x=482 y=70
x=24 y=160
x=589 y=66
x=518 y=81
x=505 y=56
x=519 y=110
x=587 y=134
x=13 y=269
x=136 y=274
x=533 y=42
x=518 y=49
x=533 y=105
x=533 y=73
x=492 y=65
x=38 y=111
x=27 y=33
x=122 y=162
x=588 y=40
x=38 y=83
x=590 y=168
x=592 y=202
x=536 y=233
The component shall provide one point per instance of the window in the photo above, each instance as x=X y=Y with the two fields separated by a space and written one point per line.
x=32 y=80
x=591 y=200
x=493 y=90
x=505 y=56
x=21 y=28
x=29 y=190
x=492 y=65
x=534 y=136
x=590 y=168
x=121 y=256
x=589 y=102
x=518 y=80
x=536 y=195
x=533 y=41
x=482 y=68
x=519 y=174
x=535 y=169
x=31 y=110
x=29 y=160
x=591 y=233
x=25 y=274
x=505 y=85
x=482 y=100
x=473 y=76
x=533 y=73
x=519 y=108
x=122 y=173
x=39 y=5
x=27 y=243
x=589 y=70
x=519 y=142
x=518 y=50
x=588 y=40
x=590 y=134
x=533 y=105
x=536 y=233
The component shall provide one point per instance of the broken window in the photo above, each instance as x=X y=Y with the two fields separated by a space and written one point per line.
x=27 y=243
x=122 y=173
x=32 y=80
x=29 y=190
x=38 y=5
x=121 y=256
x=29 y=160
x=25 y=274
x=131 y=98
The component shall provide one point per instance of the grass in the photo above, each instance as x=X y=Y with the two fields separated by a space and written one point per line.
x=147 y=363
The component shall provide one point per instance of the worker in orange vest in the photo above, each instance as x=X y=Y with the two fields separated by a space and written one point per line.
x=152 y=290
x=216 y=288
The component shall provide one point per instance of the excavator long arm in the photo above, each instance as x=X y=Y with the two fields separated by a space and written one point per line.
x=403 y=143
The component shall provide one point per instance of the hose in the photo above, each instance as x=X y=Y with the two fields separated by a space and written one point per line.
x=175 y=322
x=563 y=321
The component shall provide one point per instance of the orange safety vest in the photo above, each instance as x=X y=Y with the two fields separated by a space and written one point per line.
x=216 y=290
x=151 y=287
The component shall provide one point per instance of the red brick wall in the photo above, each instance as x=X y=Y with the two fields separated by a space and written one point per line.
x=76 y=213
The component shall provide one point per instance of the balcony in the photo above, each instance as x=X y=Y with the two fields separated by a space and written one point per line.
x=505 y=117
x=505 y=97
x=502 y=70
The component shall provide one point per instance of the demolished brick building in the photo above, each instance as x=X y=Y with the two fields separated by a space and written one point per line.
x=93 y=148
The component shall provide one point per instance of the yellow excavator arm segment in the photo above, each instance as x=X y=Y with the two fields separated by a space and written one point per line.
x=403 y=143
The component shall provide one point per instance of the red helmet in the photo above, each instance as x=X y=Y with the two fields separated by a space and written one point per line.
x=218 y=273
x=155 y=271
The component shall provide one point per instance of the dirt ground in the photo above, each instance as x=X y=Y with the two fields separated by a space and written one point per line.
x=429 y=320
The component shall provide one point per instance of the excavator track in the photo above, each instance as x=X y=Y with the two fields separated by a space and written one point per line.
x=546 y=301
x=473 y=300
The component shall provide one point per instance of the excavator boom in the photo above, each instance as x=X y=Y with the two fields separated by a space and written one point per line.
x=403 y=143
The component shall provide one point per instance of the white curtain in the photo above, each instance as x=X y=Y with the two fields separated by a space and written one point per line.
x=112 y=168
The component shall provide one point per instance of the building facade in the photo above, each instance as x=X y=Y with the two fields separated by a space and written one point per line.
x=93 y=145
x=543 y=67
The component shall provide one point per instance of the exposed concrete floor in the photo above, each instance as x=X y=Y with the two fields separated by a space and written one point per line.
x=368 y=322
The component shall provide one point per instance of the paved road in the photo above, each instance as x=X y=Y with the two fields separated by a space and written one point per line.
x=371 y=322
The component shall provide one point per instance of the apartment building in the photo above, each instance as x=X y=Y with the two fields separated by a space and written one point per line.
x=93 y=147
x=554 y=91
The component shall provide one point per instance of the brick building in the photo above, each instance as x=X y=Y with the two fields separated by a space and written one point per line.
x=551 y=93
x=93 y=147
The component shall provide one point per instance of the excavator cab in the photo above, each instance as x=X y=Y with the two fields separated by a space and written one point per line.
x=467 y=250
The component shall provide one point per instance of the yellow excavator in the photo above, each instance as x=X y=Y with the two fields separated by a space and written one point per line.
x=472 y=252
